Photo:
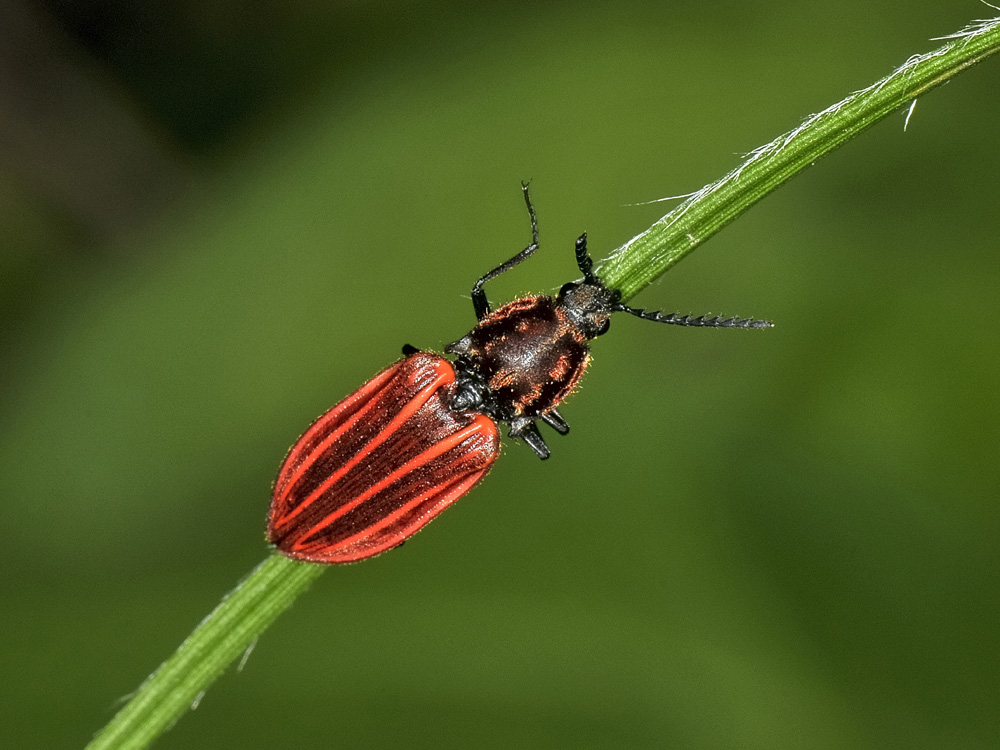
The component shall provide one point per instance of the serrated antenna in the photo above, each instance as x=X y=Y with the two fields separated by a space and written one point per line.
x=701 y=321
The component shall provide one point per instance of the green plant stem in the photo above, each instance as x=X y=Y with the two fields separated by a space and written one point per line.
x=219 y=640
x=642 y=259
x=243 y=615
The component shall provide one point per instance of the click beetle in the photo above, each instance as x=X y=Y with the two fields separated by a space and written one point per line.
x=385 y=461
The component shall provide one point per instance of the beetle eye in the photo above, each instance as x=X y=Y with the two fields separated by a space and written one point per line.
x=604 y=327
x=567 y=287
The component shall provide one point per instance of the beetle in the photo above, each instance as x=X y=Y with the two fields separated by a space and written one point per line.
x=385 y=461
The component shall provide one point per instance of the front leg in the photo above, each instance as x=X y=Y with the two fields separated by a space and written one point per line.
x=526 y=429
x=479 y=300
x=554 y=420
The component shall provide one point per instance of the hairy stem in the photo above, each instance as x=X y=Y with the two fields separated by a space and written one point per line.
x=216 y=643
x=642 y=259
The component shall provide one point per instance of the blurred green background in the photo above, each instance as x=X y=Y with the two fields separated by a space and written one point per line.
x=216 y=220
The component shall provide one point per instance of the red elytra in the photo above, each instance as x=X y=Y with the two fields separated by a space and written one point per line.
x=380 y=465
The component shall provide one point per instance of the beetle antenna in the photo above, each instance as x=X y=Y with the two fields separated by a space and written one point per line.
x=584 y=261
x=702 y=321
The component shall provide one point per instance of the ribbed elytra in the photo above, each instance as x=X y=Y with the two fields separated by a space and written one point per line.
x=380 y=465
x=386 y=460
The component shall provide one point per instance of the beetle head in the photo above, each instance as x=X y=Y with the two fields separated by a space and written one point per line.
x=588 y=304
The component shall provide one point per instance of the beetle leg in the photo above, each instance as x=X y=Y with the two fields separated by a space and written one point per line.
x=554 y=420
x=479 y=300
x=527 y=430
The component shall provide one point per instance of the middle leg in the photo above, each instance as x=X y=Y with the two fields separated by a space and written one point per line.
x=479 y=300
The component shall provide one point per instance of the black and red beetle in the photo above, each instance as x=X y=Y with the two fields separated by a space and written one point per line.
x=386 y=460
